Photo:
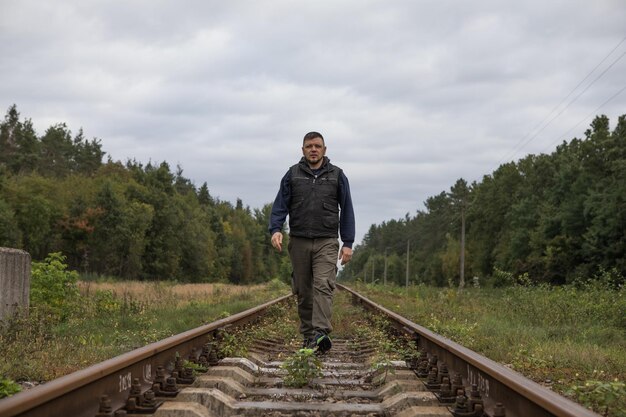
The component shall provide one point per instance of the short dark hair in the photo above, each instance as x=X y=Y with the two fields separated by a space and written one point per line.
x=313 y=135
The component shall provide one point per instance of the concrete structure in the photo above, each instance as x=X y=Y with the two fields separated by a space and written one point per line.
x=14 y=281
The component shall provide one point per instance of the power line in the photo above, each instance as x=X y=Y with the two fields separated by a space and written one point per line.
x=526 y=139
x=567 y=106
x=585 y=118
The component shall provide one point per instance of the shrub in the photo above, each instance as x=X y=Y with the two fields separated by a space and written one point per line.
x=501 y=278
x=53 y=287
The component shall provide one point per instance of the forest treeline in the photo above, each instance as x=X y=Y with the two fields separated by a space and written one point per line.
x=123 y=219
x=554 y=218
x=550 y=218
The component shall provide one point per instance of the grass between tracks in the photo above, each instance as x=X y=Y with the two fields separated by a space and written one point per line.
x=572 y=340
x=362 y=329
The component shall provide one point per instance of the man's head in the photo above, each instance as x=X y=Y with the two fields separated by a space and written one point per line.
x=312 y=135
x=313 y=149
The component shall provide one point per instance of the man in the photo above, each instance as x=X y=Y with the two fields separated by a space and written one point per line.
x=316 y=196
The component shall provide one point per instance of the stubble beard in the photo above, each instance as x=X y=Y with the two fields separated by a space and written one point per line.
x=317 y=161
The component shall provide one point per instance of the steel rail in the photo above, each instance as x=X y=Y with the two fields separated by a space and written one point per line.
x=497 y=384
x=78 y=394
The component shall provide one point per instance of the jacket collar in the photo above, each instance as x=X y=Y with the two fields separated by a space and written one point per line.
x=326 y=165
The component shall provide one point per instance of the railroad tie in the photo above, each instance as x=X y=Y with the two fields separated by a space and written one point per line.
x=255 y=385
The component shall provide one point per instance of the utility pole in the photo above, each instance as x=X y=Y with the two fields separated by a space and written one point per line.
x=372 y=270
x=462 y=272
x=385 y=271
x=459 y=195
x=365 y=273
x=408 y=245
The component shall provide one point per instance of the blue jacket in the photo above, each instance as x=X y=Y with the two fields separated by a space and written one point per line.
x=280 y=208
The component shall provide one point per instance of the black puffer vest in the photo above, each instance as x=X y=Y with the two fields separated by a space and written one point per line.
x=314 y=209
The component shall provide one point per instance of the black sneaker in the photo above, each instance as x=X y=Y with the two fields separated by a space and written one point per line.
x=309 y=344
x=323 y=342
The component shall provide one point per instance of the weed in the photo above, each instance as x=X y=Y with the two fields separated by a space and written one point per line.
x=223 y=315
x=8 y=387
x=382 y=364
x=525 y=360
x=196 y=368
x=233 y=344
x=462 y=331
x=277 y=285
x=411 y=354
x=605 y=397
x=301 y=368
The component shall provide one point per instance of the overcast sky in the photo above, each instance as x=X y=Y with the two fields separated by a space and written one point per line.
x=409 y=95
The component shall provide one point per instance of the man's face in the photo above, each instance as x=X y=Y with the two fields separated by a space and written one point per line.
x=313 y=150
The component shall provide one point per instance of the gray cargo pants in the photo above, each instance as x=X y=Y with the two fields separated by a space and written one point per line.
x=314 y=263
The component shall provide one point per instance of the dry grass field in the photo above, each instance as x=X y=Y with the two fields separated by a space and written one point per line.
x=147 y=292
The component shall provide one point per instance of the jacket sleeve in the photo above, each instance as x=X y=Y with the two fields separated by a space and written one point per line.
x=347 y=228
x=280 y=208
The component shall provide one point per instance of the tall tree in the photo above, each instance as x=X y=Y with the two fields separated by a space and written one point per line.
x=87 y=154
x=19 y=145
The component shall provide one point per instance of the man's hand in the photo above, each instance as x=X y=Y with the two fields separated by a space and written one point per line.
x=345 y=255
x=277 y=241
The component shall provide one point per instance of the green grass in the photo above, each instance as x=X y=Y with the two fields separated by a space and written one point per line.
x=563 y=336
x=101 y=324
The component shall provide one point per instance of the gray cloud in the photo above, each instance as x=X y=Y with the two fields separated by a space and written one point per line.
x=409 y=95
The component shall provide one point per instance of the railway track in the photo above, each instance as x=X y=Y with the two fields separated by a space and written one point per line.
x=244 y=365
